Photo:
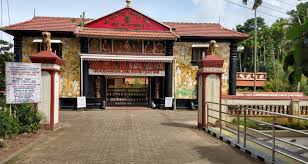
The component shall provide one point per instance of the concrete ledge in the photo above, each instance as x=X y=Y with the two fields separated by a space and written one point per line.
x=240 y=147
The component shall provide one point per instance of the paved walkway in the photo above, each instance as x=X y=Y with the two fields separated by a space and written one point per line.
x=139 y=136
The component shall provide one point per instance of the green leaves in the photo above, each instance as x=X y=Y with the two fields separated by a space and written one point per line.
x=5 y=56
x=28 y=118
x=295 y=34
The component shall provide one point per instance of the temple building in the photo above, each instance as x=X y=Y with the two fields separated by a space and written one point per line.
x=127 y=58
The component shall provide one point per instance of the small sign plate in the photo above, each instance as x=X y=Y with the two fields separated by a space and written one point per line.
x=81 y=102
x=168 y=102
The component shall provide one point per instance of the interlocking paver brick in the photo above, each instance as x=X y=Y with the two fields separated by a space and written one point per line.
x=131 y=137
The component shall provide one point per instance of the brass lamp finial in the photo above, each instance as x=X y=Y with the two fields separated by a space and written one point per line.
x=128 y=2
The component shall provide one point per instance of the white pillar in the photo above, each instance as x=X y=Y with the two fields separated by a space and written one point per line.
x=49 y=105
x=209 y=88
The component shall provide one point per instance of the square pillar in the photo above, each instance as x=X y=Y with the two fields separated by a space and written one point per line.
x=209 y=87
x=49 y=106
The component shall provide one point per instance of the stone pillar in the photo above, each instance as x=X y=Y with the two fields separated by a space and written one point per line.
x=209 y=87
x=49 y=105
x=294 y=109
x=168 y=70
x=233 y=68
x=18 y=48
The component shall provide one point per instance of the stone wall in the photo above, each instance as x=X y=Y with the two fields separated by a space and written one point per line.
x=186 y=73
x=70 y=71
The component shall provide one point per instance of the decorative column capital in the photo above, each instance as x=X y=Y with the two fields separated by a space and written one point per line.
x=46 y=57
x=212 y=63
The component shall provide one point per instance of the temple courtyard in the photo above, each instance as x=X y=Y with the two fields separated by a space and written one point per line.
x=130 y=136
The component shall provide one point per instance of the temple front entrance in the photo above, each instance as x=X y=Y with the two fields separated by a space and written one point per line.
x=128 y=91
x=126 y=80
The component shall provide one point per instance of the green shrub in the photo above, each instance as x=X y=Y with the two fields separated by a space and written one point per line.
x=8 y=125
x=28 y=118
x=249 y=123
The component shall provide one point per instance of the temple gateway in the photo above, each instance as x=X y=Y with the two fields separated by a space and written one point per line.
x=127 y=58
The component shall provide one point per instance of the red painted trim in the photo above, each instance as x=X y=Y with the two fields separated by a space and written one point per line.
x=51 y=69
x=52 y=99
x=49 y=127
x=256 y=97
x=203 y=100
x=304 y=98
x=220 y=89
x=47 y=57
x=295 y=98
x=211 y=72
x=275 y=93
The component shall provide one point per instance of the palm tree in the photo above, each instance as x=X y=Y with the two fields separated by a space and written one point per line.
x=256 y=4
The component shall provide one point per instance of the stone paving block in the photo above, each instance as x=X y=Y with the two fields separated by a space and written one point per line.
x=131 y=137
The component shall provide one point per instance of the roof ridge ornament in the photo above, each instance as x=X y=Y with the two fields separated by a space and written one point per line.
x=128 y=2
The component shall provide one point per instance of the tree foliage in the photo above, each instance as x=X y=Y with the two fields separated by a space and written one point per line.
x=281 y=50
x=5 y=56
x=297 y=58
x=248 y=26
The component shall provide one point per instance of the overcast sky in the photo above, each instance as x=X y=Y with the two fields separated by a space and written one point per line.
x=210 y=11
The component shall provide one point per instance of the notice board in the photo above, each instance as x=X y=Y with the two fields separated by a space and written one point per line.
x=23 y=82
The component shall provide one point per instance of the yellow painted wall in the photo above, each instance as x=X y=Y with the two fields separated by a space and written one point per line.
x=186 y=73
x=70 y=71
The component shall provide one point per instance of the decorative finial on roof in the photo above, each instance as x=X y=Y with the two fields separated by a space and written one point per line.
x=128 y=2
x=212 y=47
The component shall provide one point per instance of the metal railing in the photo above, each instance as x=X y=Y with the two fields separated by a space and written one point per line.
x=250 y=140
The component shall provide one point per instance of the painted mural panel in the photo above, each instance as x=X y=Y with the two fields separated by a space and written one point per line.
x=106 y=45
x=94 y=45
x=71 y=68
x=70 y=71
x=156 y=47
x=28 y=48
x=127 y=46
x=186 y=73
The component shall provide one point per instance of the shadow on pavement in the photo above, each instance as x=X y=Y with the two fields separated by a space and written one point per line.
x=225 y=154
x=180 y=125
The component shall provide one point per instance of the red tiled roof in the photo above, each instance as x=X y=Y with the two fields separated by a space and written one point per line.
x=209 y=30
x=125 y=34
x=64 y=24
